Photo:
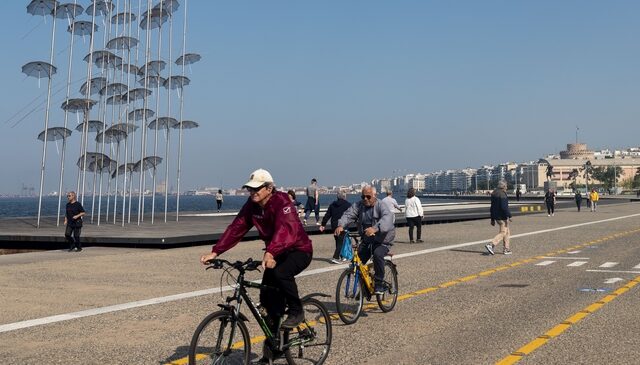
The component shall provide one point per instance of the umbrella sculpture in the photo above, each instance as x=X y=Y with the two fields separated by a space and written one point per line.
x=54 y=134
x=122 y=43
x=39 y=69
x=139 y=114
x=69 y=11
x=115 y=88
x=188 y=59
x=152 y=68
x=97 y=84
x=103 y=7
x=90 y=126
x=123 y=18
x=43 y=8
x=147 y=163
x=152 y=80
x=126 y=67
x=155 y=20
x=111 y=136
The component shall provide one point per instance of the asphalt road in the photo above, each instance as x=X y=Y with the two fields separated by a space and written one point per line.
x=568 y=294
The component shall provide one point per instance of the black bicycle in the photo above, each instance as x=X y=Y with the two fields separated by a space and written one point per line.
x=223 y=337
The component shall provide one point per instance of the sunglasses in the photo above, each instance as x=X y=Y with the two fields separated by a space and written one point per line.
x=254 y=190
x=368 y=197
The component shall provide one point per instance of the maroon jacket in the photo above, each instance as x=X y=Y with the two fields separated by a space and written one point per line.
x=277 y=224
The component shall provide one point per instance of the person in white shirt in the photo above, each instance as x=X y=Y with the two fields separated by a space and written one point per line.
x=413 y=213
x=392 y=204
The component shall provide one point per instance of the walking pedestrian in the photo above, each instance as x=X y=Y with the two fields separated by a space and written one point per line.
x=550 y=200
x=578 y=198
x=219 y=199
x=334 y=213
x=294 y=200
x=501 y=215
x=313 y=202
x=594 y=197
x=413 y=212
x=73 y=221
x=392 y=204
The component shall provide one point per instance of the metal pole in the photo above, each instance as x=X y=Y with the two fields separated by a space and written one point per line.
x=166 y=150
x=155 y=138
x=184 y=47
x=46 y=116
x=144 y=119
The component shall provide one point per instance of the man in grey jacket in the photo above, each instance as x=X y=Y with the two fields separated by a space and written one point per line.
x=375 y=226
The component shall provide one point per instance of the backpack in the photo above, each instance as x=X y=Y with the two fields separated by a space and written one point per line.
x=347 y=250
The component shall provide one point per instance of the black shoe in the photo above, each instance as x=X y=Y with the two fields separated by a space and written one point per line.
x=79 y=249
x=412 y=241
x=419 y=241
x=70 y=249
x=293 y=320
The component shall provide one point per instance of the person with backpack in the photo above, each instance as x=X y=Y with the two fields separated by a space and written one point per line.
x=375 y=226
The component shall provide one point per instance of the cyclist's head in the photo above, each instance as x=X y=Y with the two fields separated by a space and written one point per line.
x=260 y=186
x=369 y=195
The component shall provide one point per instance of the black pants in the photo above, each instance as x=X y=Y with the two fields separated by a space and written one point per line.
x=579 y=203
x=219 y=203
x=75 y=241
x=311 y=206
x=415 y=222
x=339 y=240
x=550 y=207
x=288 y=265
x=379 y=252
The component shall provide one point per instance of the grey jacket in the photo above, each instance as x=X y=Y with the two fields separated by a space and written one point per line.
x=382 y=217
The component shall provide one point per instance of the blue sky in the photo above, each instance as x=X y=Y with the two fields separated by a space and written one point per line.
x=345 y=91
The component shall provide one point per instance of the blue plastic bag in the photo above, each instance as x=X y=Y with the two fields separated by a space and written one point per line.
x=347 y=251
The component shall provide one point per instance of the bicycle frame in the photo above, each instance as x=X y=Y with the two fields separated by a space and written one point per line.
x=361 y=270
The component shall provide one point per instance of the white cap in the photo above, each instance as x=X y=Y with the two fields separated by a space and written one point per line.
x=258 y=178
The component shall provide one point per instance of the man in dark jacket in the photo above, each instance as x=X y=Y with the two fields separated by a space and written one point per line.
x=334 y=212
x=500 y=214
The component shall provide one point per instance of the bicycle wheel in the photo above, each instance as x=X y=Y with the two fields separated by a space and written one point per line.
x=310 y=342
x=349 y=296
x=220 y=339
x=388 y=300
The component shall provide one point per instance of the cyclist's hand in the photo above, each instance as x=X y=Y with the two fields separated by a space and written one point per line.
x=268 y=262
x=208 y=257
x=338 y=231
x=371 y=231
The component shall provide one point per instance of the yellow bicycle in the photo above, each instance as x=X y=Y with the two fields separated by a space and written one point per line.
x=356 y=283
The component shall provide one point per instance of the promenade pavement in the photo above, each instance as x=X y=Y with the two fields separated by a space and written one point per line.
x=457 y=304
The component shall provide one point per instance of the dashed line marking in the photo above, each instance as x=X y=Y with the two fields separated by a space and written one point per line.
x=608 y=265
x=577 y=263
x=541 y=340
x=545 y=263
x=615 y=271
x=637 y=266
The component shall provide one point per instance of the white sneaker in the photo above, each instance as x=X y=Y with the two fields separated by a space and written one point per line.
x=507 y=252
x=335 y=261
x=489 y=248
x=317 y=223
x=552 y=214
x=304 y=221
x=548 y=215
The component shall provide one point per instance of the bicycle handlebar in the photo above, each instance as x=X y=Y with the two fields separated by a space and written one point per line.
x=248 y=265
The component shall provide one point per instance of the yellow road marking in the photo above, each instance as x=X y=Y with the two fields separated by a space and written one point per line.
x=517 y=355
x=370 y=306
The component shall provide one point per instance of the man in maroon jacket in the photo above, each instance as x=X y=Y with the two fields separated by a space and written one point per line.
x=288 y=248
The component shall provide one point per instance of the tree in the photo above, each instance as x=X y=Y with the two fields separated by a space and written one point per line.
x=606 y=175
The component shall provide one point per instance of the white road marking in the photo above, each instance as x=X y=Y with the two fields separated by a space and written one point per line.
x=124 y=306
x=565 y=258
x=608 y=265
x=574 y=252
x=615 y=271
x=613 y=280
x=545 y=263
x=637 y=266
x=577 y=263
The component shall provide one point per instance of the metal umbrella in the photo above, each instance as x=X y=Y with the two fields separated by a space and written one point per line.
x=188 y=59
x=176 y=82
x=97 y=84
x=152 y=68
x=93 y=161
x=78 y=105
x=122 y=43
x=91 y=125
x=124 y=168
x=111 y=136
x=129 y=68
x=127 y=127
x=152 y=80
x=186 y=124
x=147 y=163
x=169 y=5
x=54 y=134
x=69 y=11
x=115 y=88
x=165 y=123
x=136 y=94
x=139 y=114
x=41 y=7
x=82 y=28
x=39 y=69
x=123 y=18
x=116 y=100
x=154 y=18
x=103 y=7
